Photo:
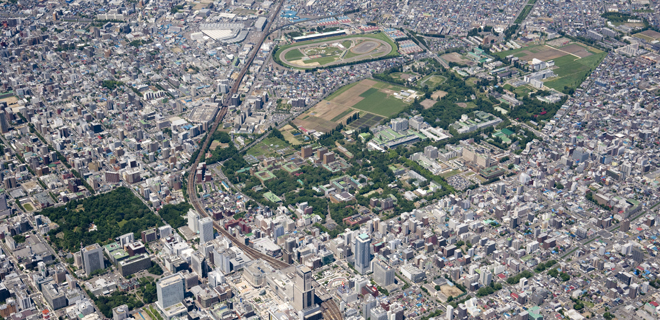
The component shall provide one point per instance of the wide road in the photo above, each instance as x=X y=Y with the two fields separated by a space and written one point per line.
x=434 y=55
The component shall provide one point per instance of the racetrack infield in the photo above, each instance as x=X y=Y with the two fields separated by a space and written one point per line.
x=363 y=47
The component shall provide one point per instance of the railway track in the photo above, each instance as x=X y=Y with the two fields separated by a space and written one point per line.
x=329 y=308
x=192 y=193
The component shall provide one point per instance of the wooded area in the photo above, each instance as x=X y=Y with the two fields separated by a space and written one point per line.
x=173 y=214
x=115 y=213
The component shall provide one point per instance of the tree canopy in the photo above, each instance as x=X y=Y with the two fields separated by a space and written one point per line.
x=115 y=213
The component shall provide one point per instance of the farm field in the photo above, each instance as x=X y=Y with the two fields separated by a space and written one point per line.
x=374 y=100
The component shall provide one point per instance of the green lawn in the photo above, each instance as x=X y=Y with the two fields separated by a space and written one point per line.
x=346 y=43
x=369 y=92
x=523 y=14
x=572 y=71
x=450 y=173
x=28 y=207
x=322 y=60
x=522 y=91
x=433 y=80
x=294 y=55
x=268 y=147
x=379 y=103
x=350 y=54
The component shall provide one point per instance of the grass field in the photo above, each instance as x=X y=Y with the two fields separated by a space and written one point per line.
x=572 y=71
x=432 y=80
x=270 y=147
x=380 y=103
x=294 y=55
x=350 y=54
x=521 y=91
x=321 y=60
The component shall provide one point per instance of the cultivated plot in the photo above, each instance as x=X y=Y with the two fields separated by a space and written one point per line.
x=368 y=97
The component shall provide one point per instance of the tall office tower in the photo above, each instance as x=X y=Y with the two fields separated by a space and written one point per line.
x=362 y=253
x=3 y=201
x=193 y=220
x=92 y=258
x=205 y=230
x=450 y=312
x=170 y=290
x=303 y=293
x=369 y=303
x=485 y=278
x=4 y=122
x=383 y=274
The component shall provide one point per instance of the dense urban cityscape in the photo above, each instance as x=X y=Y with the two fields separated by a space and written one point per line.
x=342 y=160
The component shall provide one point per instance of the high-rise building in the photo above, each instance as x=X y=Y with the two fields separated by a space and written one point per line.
x=362 y=253
x=3 y=202
x=205 y=230
x=383 y=273
x=303 y=293
x=369 y=303
x=170 y=290
x=450 y=312
x=625 y=225
x=637 y=254
x=485 y=278
x=4 y=122
x=92 y=256
x=306 y=152
x=193 y=220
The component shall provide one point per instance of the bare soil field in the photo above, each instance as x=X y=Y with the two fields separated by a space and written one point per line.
x=438 y=95
x=448 y=290
x=455 y=57
x=577 y=50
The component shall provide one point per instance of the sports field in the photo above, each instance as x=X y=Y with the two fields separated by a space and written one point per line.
x=374 y=100
x=270 y=147
x=335 y=51
x=573 y=61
